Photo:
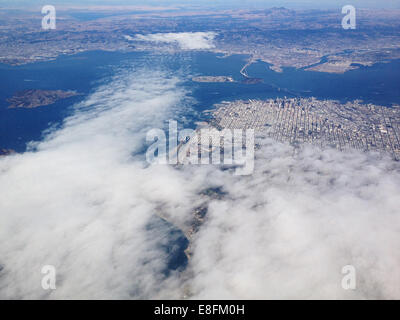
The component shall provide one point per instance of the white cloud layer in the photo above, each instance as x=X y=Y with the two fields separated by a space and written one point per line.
x=82 y=203
x=288 y=230
x=83 y=199
x=185 y=40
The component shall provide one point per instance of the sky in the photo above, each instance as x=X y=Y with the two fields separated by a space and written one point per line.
x=215 y=3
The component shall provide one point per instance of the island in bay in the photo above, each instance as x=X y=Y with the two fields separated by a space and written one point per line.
x=36 y=98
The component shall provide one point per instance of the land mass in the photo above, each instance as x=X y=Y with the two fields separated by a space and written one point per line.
x=326 y=123
x=307 y=39
x=36 y=98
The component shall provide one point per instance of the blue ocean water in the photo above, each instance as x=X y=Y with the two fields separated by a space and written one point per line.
x=379 y=84
x=84 y=72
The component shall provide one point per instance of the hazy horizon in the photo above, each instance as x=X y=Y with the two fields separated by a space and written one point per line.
x=223 y=4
